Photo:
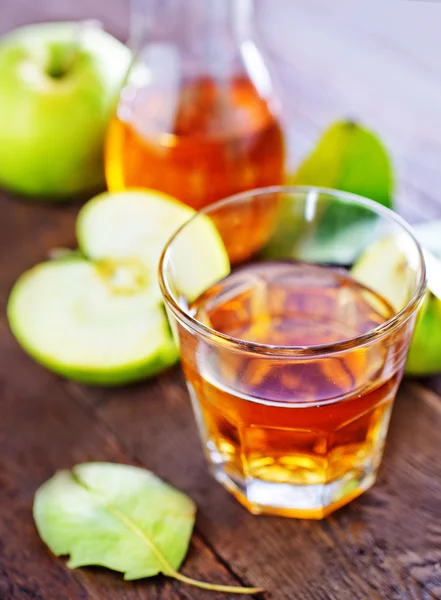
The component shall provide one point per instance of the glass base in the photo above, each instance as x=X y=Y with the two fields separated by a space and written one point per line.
x=287 y=480
x=298 y=501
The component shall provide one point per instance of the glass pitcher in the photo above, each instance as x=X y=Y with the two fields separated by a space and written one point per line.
x=197 y=117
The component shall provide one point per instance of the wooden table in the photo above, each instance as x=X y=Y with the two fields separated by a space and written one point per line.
x=377 y=62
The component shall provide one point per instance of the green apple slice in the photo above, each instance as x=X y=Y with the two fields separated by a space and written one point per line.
x=383 y=268
x=138 y=223
x=94 y=322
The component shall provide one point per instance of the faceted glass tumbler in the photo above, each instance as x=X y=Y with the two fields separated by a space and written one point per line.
x=293 y=360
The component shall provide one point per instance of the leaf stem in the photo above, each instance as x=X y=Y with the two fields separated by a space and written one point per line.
x=62 y=62
x=167 y=568
x=214 y=587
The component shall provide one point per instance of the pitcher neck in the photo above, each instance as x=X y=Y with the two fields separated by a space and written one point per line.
x=189 y=21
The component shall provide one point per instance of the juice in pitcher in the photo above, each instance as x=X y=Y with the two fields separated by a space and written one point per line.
x=221 y=139
x=197 y=117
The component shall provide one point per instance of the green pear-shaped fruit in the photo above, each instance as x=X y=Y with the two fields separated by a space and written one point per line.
x=351 y=158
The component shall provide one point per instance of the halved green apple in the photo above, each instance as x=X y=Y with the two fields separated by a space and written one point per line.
x=383 y=268
x=138 y=223
x=98 y=317
x=94 y=322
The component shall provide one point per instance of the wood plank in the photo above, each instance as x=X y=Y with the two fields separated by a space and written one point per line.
x=364 y=57
x=376 y=62
x=382 y=546
x=42 y=430
x=386 y=545
x=114 y=16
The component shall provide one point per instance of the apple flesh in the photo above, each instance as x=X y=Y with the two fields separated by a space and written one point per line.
x=138 y=223
x=92 y=322
x=59 y=84
x=380 y=267
x=97 y=316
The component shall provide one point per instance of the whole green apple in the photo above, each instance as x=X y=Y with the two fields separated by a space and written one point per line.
x=59 y=84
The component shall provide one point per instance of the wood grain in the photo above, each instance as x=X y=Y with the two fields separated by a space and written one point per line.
x=387 y=525
x=43 y=429
x=384 y=546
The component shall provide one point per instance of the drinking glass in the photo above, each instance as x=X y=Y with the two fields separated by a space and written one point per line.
x=293 y=360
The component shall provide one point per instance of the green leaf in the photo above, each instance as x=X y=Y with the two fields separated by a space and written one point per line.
x=351 y=158
x=121 y=517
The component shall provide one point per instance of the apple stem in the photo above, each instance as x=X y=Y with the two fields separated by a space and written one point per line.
x=63 y=61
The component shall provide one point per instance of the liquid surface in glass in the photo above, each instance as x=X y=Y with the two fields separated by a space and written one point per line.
x=200 y=143
x=245 y=402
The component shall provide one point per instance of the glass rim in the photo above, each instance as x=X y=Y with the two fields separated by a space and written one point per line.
x=227 y=341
